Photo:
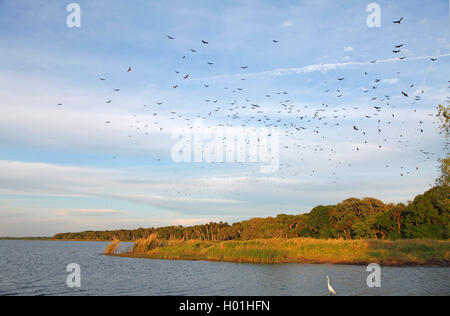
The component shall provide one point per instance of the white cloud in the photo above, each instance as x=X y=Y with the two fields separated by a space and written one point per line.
x=288 y=24
x=348 y=49
x=321 y=67
x=86 y=212
x=390 y=81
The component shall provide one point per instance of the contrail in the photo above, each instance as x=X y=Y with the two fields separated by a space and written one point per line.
x=316 y=67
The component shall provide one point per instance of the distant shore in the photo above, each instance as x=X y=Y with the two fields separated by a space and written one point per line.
x=301 y=250
x=27 y=238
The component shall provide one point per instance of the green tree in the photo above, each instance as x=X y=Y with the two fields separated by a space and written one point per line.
x=318 y=222
x=444 y=116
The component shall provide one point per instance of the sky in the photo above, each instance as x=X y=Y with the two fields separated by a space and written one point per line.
x=77 y=155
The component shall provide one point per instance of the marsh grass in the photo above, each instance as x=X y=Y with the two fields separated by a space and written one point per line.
x=112 y=248
x=146 y=244
x=301 y=250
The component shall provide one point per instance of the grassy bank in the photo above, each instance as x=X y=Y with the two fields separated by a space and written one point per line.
x=303 y=250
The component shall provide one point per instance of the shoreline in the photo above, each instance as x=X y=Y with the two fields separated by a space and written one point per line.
x=402 y=253
x=287 y=261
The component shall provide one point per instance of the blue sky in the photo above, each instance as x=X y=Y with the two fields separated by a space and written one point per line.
x=63 y=169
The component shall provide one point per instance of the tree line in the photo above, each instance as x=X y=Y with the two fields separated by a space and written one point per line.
x=427 y=216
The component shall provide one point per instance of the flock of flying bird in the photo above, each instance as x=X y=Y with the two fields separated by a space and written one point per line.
x=295 y=120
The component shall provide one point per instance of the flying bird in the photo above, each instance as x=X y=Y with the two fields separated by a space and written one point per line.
x=399 y=21
x=205 y=42
x=170 y=37
x=129 y=69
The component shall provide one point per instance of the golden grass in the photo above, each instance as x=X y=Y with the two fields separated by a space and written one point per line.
x=301 y=250
x=146 y=244
x=111 y=249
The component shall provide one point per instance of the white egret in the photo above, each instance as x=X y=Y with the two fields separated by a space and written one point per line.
x=330 y=288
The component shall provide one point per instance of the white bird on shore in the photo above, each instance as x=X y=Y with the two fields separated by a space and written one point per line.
x=330 y=288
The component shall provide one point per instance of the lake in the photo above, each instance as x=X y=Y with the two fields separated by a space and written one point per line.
x=39 y=268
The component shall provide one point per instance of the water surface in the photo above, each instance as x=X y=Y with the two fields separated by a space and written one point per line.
x=39 y=268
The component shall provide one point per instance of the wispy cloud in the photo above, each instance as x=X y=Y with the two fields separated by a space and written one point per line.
x=86 y=212
x=288 y=24
x=320 y=67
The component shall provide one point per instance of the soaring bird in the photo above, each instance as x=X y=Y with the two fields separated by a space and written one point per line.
x=396 y=51
x=276 y=41
x=405 y=94
x=399 y=46
x=399 y=21
x=244 y=67
x=205 y=42
x=129 y=69
x=170 y=37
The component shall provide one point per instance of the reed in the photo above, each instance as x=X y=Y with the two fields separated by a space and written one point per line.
x=111 y=249
x=301 y=250
x=146 y=244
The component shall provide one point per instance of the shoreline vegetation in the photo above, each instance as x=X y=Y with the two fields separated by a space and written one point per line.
x=426 y=217
x=355 y=231
x=298 y=250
